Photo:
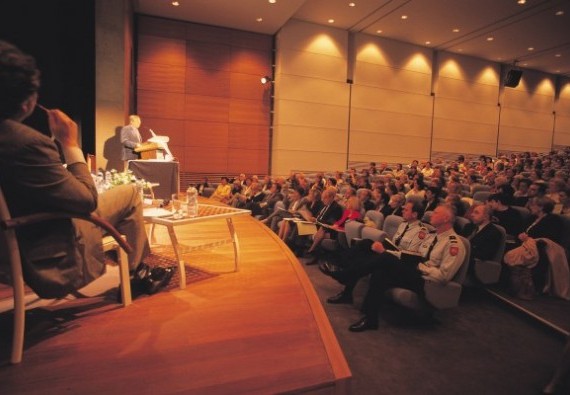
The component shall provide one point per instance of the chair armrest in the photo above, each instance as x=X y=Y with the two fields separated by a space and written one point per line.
x=31 y=219
x=488 y=272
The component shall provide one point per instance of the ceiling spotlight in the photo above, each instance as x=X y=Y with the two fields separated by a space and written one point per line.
x=379 y=31
x=521 y=2
x=490 y=38
x=259 y=19
x=272 y=1
x=456 y=30
x=558 y=13
x=404 y=17
x=557 y=55
x=530 y=48
x=265 y=79
x=331 y=20
x=175 y=3
x=428 y=42
x=352 y=4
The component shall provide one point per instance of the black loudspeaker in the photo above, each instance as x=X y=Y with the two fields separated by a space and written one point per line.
x=513 y=78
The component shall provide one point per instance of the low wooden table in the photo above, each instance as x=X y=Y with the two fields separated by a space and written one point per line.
x=206 y=212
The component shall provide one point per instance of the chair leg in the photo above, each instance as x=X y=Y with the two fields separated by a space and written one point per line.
x=125 y=278
x=19 y=319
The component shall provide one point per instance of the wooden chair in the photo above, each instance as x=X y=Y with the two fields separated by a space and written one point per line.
x=9 y=240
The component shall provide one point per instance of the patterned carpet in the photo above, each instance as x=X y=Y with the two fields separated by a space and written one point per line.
x=193 y=274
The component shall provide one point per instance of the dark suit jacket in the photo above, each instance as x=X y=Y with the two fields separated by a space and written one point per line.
x=56 y=256
x=550 y=227
x=331 y=214
x=485 y=243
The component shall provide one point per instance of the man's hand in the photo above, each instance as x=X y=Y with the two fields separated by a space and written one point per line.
x=377 y=247
x=422 y=267
x=63 y=128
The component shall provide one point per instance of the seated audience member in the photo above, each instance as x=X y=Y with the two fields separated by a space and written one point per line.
x=293 y=204
x=483 y=235
x=351 y=212
x=427 y=171
x=504 y=215
x=563 y=208
x=267 y=205
x=431 y=199
x=440 y=259
x=398 y=171
x=372 y=169
x=311 y=207
x=255 y=198
x=329 y=214
x=543 y=224
x=394 y=206
x=555 y=186
x=379 y=197
x=363 y=257
x=204 y=184
x=365 y=197
x=455 y=201
x=222 y=191
x=520 y=197
x=418 y=188
x=63 y=255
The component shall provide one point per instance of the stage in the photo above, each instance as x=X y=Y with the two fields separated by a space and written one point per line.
x=260 y=330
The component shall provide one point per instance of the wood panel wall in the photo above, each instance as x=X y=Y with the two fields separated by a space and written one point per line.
x=200 y=85
x=562 y=117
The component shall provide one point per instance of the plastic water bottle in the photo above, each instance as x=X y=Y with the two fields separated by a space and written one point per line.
x=192 y=201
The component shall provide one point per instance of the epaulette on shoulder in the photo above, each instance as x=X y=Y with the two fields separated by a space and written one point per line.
x=453 y=238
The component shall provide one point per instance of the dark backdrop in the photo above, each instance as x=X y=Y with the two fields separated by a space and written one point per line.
x=60 y=34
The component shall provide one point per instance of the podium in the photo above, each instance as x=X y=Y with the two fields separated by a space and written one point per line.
x=148 y=150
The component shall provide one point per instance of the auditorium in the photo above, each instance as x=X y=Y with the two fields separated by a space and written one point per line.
x=319 y=196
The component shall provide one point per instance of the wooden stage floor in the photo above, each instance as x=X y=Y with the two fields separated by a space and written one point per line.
x=261 y=330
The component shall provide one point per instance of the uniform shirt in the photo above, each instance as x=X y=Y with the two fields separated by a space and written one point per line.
x=413 y=238
x=445 y=256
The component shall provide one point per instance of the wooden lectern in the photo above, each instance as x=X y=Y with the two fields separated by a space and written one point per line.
x=148 y=150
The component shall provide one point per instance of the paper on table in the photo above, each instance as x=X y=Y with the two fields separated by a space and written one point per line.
x=156 y=212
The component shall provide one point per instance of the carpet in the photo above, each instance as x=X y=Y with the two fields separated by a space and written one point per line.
x=193 y=274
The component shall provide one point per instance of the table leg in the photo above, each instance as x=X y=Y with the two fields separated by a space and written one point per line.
x=235 y=242
x=181 y=267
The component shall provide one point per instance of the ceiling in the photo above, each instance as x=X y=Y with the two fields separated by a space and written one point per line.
x=534 y=35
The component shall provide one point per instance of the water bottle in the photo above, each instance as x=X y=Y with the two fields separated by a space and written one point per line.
x=192 y=201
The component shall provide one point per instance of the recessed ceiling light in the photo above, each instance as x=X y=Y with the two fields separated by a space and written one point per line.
x=456 y=30
x=460 y=50
x=490 y=38
x=499 y=58
x=525 y=64
x=352 y=4
x=521 y=2
x=404 y=17
x=558 y=55
x=259 y=19
x=428 y=42
x=530 y=48
x=175 y=3
x=558 y=13
x=331 y=20
x=379 y=31
x=558 y=71
x=272 y=1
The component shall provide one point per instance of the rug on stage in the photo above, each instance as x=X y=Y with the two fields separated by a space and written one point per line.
x=193 y=274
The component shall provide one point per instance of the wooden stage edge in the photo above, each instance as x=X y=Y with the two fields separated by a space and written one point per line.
x=260 y=330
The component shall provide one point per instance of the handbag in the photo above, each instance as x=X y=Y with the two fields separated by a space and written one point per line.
x=521 y=283
x=524 y=255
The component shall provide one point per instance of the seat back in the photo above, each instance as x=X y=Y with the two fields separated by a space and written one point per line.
x=524 y=212
x=415 y=199
x=391 y=223
x=353 y=230
x=477 y=188
x=375 y=216
x=460 y=224
x=481 y=196
x=373 y=234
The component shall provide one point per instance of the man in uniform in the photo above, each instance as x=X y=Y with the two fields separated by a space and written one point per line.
x=443 y=254
x=361 y=259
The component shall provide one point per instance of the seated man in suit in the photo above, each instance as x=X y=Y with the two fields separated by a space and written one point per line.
x=484 y=237
x=441 y=258
x=361 y=259
x=63 y=255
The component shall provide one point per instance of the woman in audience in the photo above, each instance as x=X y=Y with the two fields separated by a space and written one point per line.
x=222 y=192
x=351 y=212
x=310 y=208
x=293 y=203
x=542 y=223
x=418 y=188
x=431 y=199
x=379 y=197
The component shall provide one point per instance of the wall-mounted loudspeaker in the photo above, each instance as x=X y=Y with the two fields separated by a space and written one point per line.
x=513 y=78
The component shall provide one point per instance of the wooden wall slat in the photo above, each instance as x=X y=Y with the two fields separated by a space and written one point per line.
x=206 y=134
x=160 y=104
x=208 y=56
x=207 y=108
x=161 y=50
x=161 y=77
x=248 y=136
x=208 y=82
